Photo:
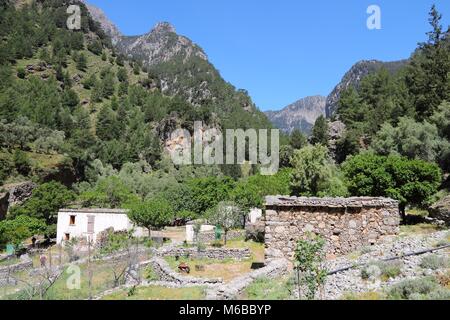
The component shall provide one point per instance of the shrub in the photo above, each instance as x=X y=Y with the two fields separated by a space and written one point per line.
x=21 y=73
x=385 y=270
x=410 y=288
x=434 y=262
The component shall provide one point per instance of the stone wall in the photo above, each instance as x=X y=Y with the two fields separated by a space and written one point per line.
x=210 y=236
x=346 y=223
x=208 y=253
x=166 y=273
x=232 y=289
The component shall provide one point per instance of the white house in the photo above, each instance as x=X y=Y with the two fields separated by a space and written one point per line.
x=84 y=223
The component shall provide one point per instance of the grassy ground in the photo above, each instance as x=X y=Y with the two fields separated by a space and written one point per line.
x=421 y=228
x=268 y=289
x=159 y=293
x=227 y=269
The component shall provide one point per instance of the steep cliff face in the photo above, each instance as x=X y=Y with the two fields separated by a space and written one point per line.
x=301 y=114
x=108 y=27
x=353 y=78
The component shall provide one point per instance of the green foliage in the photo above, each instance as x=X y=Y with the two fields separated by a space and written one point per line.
x=319 y=133
x=410 y=139
x=109 y=192
x=155 y=213
x=208 y=192
x=411 y=288
x=21 y=162
x=435 y=262
x=314 y=174
x=45 y=202
x=15 y=231
x=269 y=289
x=409 y=181
x=297 y=139
x=81 y=62
x=309 y=265
x=226 y=215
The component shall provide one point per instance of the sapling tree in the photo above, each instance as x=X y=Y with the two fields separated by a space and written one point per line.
x=227 y=215
x=309 y=266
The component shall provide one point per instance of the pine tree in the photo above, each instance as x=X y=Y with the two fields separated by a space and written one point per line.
x=320 y=132
x=82 y=62
x=297 y=140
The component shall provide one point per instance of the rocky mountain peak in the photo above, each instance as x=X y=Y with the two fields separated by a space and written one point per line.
x=301 y=114
x=164 y=27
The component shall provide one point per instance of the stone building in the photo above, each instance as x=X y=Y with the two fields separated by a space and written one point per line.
x=345 y=223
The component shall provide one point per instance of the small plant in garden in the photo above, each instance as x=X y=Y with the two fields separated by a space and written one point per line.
x=383 y=270
x=132 y=291
x=309 y=266
x=435 y=262
x=370 y=272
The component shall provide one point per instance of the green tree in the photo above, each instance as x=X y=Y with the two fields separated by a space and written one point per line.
x=226 y=215
x=309 y=264
x=319 y=133
x=21 y=162
x=15 y=231
x=208 y=192
x=411 y=139
x=312 y=168
x=109 y=192
x=155 y=213
x=45 y=202
x=297 y=139
x=81 y=62
x=411 y=182
x=429 y=70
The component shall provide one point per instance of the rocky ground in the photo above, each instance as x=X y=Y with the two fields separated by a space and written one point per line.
x=351 y=281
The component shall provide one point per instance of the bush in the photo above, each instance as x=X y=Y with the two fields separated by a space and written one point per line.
x=21 y=73
x=434 y=262
x=385 y=270
x=411 y=288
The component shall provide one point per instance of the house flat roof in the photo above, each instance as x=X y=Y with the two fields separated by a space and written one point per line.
x=96 y=211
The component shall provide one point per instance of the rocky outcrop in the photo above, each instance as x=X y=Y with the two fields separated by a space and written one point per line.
x=4 y=204
x=20 y=192
x=336 y=130
x=107 y=26
x=160 y=45
x=441 y=210
x=301 y=115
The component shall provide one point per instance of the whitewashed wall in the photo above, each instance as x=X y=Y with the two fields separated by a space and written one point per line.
x=104 y=219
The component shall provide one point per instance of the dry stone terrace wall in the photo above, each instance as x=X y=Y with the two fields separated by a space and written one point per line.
x=346 y=223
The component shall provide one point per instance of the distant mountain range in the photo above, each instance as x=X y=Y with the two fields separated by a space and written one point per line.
x=301 y=114
x=183 y=69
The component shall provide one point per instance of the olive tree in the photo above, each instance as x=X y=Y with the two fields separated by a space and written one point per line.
x=227 y=215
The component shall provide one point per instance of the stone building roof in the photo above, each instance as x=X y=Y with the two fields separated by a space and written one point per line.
x=355 y=202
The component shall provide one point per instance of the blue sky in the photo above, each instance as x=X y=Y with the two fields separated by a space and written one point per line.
x=284 y=50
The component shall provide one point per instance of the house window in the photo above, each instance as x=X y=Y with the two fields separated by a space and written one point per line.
x=72 y=220
x=67 y=236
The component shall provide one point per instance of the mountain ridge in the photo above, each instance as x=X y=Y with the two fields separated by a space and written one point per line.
x=301 y=114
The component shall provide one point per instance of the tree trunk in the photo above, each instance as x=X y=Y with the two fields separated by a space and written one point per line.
x=225 y=237
x=149 y=233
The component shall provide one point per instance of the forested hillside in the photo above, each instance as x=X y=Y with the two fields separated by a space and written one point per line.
x=88 y=124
